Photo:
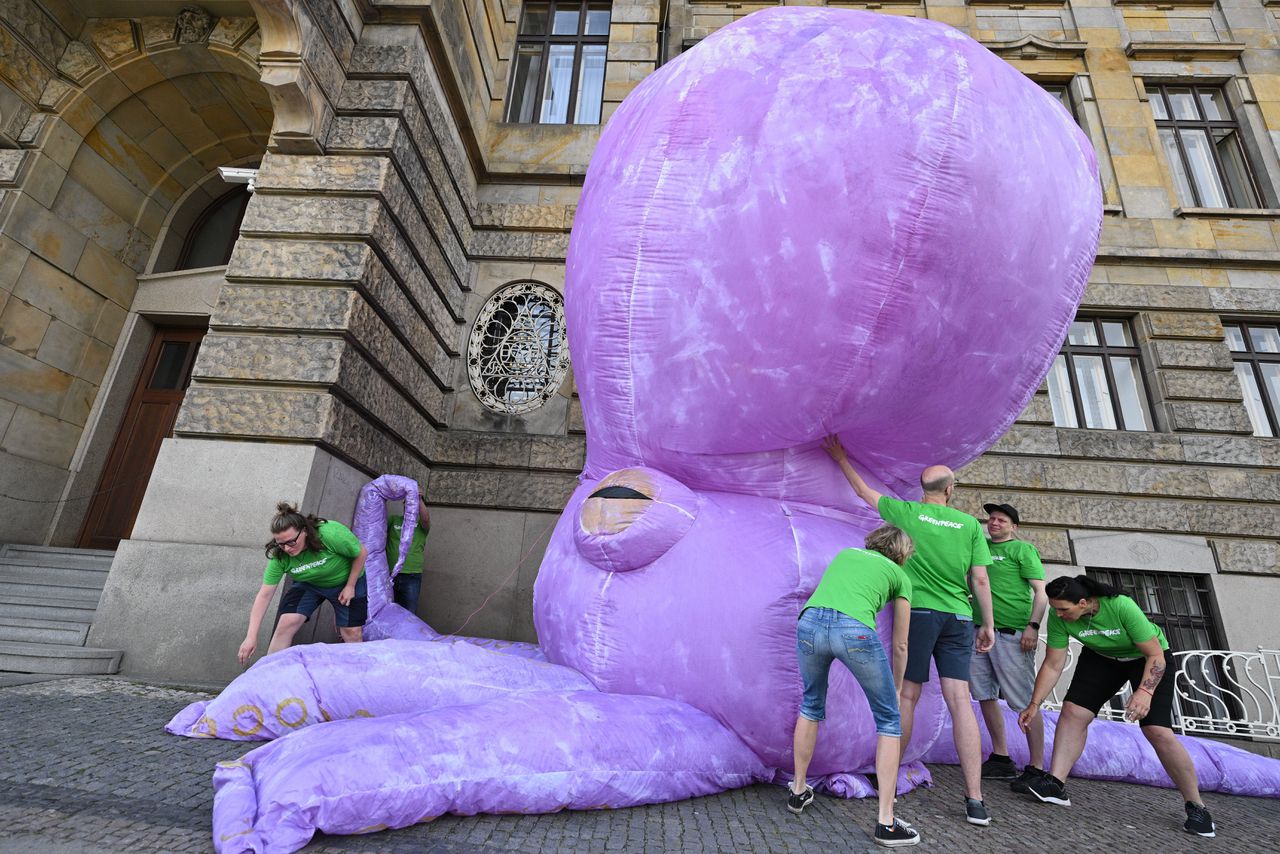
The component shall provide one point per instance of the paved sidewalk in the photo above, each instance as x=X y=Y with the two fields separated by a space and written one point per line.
x=85 y=766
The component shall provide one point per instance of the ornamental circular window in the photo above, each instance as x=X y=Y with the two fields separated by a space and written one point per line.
x=516 y=357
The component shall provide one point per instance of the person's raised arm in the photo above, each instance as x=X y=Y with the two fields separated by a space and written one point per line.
x=256 y=613
x=831 y=444
x=1050 y=672
x=901 y=625
x=357 y=566
x=424 y=516
x=1140 y=703
x=1039 y=602
x=985 y=637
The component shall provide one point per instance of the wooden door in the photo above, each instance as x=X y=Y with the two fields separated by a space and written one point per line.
x=153 y=408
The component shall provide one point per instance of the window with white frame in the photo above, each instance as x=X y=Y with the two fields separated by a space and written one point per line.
x=1255 y=351
x=1201 y=142
x=557 y=75
x=1096 y=380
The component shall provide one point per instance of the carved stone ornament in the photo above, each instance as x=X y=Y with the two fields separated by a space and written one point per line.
x=194 y=25
x=517 y=358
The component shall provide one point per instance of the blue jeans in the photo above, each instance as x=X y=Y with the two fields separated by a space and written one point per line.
x=825 y=634
x=406 y=588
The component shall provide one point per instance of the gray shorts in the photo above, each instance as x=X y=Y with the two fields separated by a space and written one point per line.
x=1006 y=671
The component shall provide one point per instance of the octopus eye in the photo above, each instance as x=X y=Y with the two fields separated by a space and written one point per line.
x=619 y=492
x=632 y=517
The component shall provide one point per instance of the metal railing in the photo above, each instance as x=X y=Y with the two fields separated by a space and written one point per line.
x=1216 y=692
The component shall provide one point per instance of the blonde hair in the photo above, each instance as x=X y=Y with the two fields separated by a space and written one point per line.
x=892 y=542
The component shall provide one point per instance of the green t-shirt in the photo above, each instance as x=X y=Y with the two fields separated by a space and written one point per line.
x=948 y=542
x=858 y=583
x=325 y=567
x=1114 y=631
x=417 y=549
x=1013 y=562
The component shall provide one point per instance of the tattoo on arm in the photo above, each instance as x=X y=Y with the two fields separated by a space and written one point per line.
x=1157 y=673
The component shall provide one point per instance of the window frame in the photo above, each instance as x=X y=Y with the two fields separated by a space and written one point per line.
x=577 y=40
x=1128 y=581
x=1105 y=351
x=1161 y=89
x=1254 y=359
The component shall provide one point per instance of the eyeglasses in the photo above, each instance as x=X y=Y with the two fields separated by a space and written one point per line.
x=284 y=544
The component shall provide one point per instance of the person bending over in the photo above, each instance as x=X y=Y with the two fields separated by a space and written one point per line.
x=325 y=562
x=1120 y=645
x=407 y=586
x=838 y=622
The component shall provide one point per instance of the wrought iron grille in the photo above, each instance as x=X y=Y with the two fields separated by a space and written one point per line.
x=1216 y=692
x=517 y=356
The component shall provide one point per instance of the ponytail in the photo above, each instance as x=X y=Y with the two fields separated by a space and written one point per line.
x=287 y=516
x=1072 y=589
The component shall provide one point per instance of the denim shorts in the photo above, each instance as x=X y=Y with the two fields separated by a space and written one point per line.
x=946 y=638
x=406 y=588
x=825 y=634
x=1006 y=671
x=304 y=598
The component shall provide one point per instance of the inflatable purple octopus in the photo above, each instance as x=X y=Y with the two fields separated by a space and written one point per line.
x=816 y=221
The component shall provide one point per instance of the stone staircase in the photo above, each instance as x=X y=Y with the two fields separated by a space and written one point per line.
x=48 y=597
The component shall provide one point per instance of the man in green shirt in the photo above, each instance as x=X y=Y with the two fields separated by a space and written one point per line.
x=1008 y=669
x=949 y=547
x=407 y=586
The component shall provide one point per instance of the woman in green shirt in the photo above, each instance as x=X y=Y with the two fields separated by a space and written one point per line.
x=325 y=562
x=1120 y=644
x=838 y=622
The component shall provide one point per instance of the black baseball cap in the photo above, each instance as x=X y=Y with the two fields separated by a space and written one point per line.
x=1007 y=509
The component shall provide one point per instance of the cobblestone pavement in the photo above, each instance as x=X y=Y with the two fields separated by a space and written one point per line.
x=85 y=766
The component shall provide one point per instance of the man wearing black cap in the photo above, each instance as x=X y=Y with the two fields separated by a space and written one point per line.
x=1008 y=669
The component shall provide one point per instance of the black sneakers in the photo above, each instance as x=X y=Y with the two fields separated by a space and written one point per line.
x=1199 y=821
x=897 y=834
x=1049 y=789
x=999 y=768
x=975 y=812
x=797 y=803
x=1028 y=774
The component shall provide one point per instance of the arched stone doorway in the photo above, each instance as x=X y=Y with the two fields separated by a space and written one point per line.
x=124 y=123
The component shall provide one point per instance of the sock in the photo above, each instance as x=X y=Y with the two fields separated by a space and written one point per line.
x=1001 y=757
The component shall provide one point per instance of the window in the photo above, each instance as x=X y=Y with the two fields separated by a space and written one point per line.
x=1201 y=141
x=214 y=235
x=516 y=357
x=558 y=73
x=1255 y=349
x=1062 y=92
x=1180 y=604
x=1096 y=380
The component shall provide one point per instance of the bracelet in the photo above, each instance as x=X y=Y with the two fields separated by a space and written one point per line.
x=1148 y=690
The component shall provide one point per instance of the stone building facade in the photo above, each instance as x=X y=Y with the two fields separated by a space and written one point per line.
x=398 y=190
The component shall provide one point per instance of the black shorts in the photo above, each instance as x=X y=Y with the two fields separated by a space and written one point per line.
x=945 y=638
x=303 y=598
x=1098 y=678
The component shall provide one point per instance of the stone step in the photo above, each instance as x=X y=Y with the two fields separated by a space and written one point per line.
x=21 y=657
x=44 y=609
x=54 y=576
x=38 y=593
x=57 y=556
x=43 y=631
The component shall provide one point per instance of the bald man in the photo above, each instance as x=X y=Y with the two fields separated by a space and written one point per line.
x=950 y=548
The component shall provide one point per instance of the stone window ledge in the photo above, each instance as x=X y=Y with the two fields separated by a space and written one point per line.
x=1180 y=51
x=1228 y=213
x=1113 y=210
